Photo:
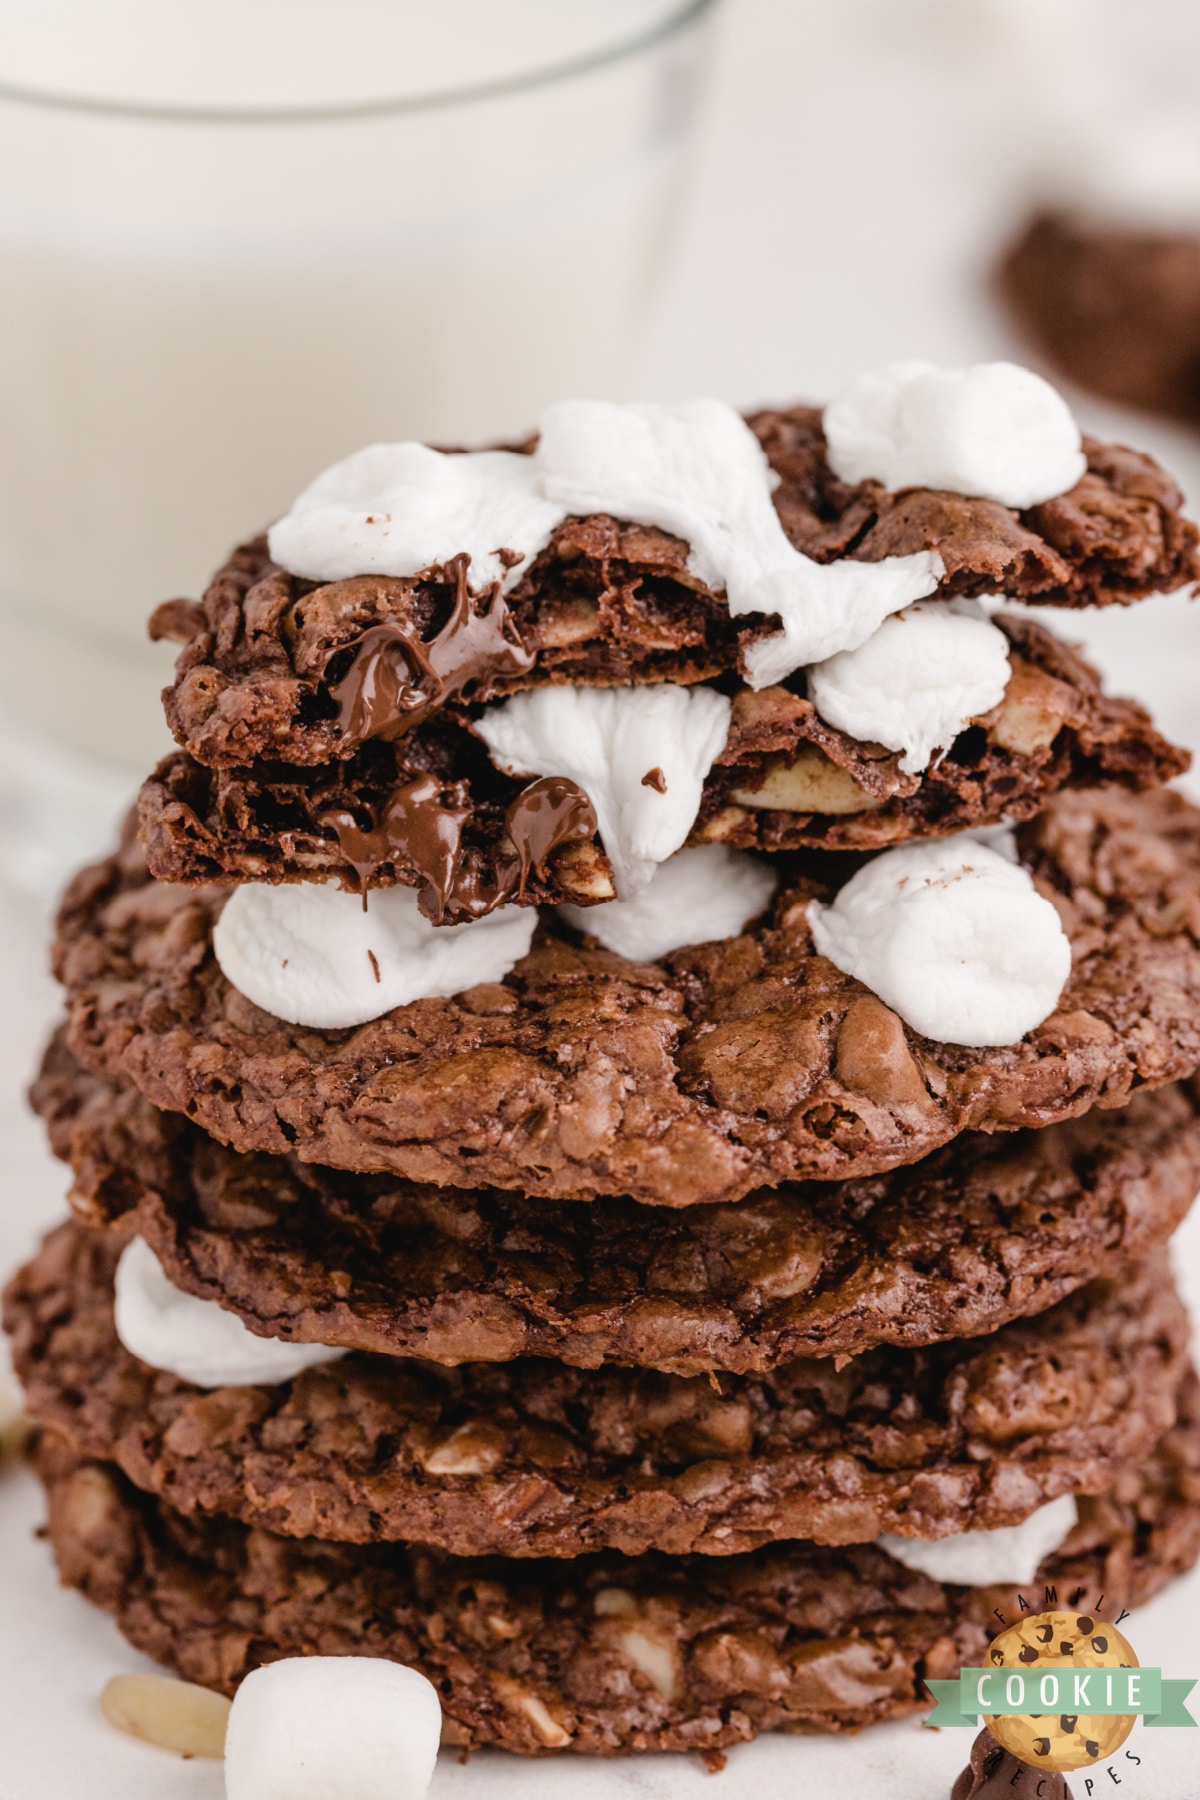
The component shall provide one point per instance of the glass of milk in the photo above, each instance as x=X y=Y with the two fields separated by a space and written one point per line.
x=237 y=242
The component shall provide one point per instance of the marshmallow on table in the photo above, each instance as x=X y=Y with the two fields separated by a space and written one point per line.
x=917 y=682
x=698 y=895
x=1011 y=1553
x=953 y=936
x=695 y=470
x=639 y=753
x=310 y=953
x=332 y=1728
x=995 y=431
x=197 y=1339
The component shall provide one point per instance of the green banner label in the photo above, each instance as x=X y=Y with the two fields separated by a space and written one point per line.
x=1061 y=1688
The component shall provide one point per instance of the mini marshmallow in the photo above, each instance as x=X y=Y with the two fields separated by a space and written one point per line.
x=396 y=509
x=698 y=471
x=700 y=894
x=309 y=953
x=197 y=1339
x=1013 y=1553
x=917 y=682
x=993 y=430
x=951 y=935
x=610 y=740
x=332 y=1728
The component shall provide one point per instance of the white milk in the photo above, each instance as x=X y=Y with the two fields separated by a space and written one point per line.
x=196 y=317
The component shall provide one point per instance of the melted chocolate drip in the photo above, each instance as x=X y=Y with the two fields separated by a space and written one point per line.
x=995 y=1774
x=396 y=678
x=416 y=828
x=420 y=828
x=544 y=816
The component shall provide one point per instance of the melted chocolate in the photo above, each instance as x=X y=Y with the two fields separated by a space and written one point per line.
x=654 y=778
x=544 y=816
x=396 y=678
x=995 y=1774
x=420 y=828
x=417 y=828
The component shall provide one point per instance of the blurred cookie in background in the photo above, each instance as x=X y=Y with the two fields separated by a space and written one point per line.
x=1103 y=279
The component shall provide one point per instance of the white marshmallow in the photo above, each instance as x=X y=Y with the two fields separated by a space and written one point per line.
x=308 y=952
x=332 y=1728
x=993 y=430
x=608 y=740
x=700 y=894
x=396 y=509
x=953 y=936
x=697 y=470
x=197 y=1339
x=1012 y=1553
x=914 y=685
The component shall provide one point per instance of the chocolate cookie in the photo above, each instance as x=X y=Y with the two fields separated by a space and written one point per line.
x=532 y=1459
x=986 y=1230
x=602 y=1655
x=1114 y=309
x=729 y=1066
x=786 y=780
x=273 y=666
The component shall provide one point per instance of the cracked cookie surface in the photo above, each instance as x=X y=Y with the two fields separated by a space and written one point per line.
x=785 y=780
x=530 y=1458
x=726 y=1067
x=603 y=1655
x=986 y=1230
x=606 y=602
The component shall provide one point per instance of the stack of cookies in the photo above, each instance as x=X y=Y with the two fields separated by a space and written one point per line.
x=627 y=1087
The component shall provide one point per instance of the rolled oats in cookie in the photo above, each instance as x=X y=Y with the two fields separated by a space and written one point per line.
x=603 y=1655
x=528 y=1458
x=988 y=1229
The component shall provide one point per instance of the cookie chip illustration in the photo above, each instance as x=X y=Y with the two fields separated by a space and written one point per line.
x=1061 y=1740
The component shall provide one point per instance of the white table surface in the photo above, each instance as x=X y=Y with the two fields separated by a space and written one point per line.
x=860 y=160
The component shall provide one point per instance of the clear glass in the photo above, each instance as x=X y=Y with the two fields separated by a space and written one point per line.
x=201 y=307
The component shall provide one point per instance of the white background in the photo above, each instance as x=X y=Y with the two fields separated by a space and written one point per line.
x=861 y=161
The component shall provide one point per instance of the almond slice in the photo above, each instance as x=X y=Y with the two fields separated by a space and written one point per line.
x=175 y=1715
